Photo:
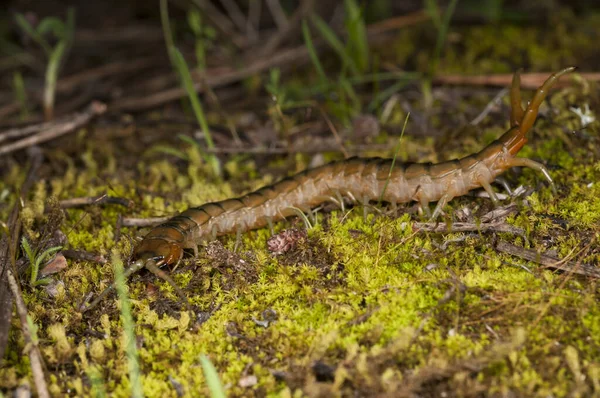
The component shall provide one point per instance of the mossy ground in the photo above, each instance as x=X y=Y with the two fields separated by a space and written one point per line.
x=359 y=307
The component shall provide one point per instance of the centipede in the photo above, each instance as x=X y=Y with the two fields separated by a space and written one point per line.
x=356 y=179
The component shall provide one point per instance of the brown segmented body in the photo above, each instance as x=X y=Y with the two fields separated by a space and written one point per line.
x=358 y=178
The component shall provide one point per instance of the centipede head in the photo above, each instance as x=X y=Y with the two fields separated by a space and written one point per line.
x=158 y=250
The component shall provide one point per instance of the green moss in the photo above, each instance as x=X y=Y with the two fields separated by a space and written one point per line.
x=383 y=305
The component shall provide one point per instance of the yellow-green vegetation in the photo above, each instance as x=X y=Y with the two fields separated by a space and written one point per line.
x=358 y=307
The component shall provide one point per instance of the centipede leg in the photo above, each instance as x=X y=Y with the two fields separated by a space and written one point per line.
x=488 y=188
x=505 y=185
x=365 y=203
x=532 y=164
x=151 y=266
x=424 y=206
x=238 y=239
x=270 y=224
x=340 y=198
x=440 y=206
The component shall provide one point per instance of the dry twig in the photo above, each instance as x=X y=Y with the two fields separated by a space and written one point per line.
x=8 y=250
x=56 y=130
x=548 y=261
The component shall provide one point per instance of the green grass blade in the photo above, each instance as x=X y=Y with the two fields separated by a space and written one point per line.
x=195 y=23
x=387 y=181
x=41 y=258
x=432 y=9
x=382 y=96
x=20 y=93
x=358 y=45
x=443 y=31
x=52 y=76
x=212 y=378
x=335 y=43
x=188 y=84
x=312 y=52
x=166 y=26
x=128 y=328
x=32 y=33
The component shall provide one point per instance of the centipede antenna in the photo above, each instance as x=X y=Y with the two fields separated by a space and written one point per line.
x=151 y=266
x=135 y=267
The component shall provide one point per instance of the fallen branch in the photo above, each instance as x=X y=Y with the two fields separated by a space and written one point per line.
x=528 y=80
x=467 y=227
x=66 y=126
x=548 y=261
x=8 y=248
x=95 y=200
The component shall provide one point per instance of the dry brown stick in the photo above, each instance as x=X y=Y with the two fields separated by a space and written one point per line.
x=143 y=222
x=397 y=22
x=548 y=261
x=220 y=21
x=285 y=31
x=528 y=80
x=8 y=254
x=95 y=200
x=253 y=24
x=467 y=227
x=215 y=78
x=81 y=255
x=235 y=14
x=277 y=13
x=69 y=83
x=9 y=109
x=74 y=122
x=18 y=132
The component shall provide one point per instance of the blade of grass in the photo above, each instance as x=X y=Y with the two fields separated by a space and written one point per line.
x=442 y=25
x=358 y=45
x=433 y=11
x=442 y=32
x=335 y=43
x=312 y=52
x=128 y=328
x=20 y=93
x=51 y=78
x=212 y=378
x=166 y=26
x=382 y=96
x=349 y=90
x=195 y=23
x=387 y=181
x=31 y=32
x=188 y=84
